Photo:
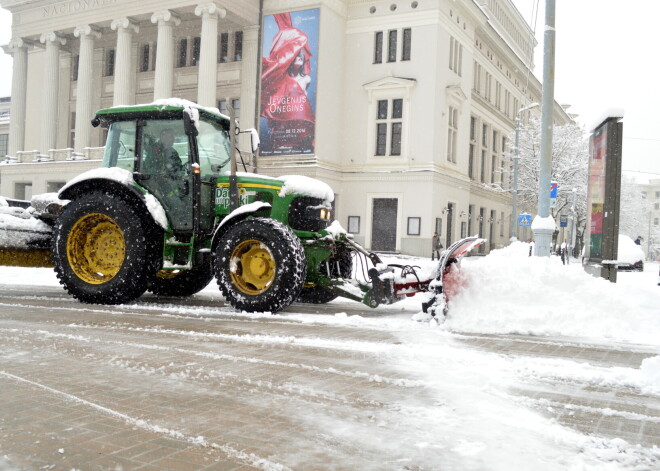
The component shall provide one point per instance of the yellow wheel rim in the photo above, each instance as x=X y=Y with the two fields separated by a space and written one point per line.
x=252 y=267
x=96 y=248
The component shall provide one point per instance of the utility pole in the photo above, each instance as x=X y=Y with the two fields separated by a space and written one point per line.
x=543 y=225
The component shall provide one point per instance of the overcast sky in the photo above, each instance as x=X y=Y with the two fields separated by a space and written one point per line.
x=604 y=61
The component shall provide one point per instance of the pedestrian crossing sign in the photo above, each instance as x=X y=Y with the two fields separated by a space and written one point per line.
x=525 y=220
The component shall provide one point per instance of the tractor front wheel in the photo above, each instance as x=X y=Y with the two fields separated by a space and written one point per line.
x=260 y=265
x=103 y=249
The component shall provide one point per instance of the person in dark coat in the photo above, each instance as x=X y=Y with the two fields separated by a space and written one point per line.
x=436 y=246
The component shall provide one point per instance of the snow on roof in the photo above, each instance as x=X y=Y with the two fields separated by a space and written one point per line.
x=609 y=113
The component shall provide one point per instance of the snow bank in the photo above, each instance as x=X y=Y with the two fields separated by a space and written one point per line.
x=510 y=292
x=628 y=251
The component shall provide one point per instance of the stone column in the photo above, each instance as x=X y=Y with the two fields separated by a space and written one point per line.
x=208 y=57
x=17 y=48
x=164 y=81
x=249 y=84
x=84 y=111
x=124 y=92
x=51 y=85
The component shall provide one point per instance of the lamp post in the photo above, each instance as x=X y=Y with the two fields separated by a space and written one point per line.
x=516 y=159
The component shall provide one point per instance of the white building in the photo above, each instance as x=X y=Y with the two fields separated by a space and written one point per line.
x=413 y=100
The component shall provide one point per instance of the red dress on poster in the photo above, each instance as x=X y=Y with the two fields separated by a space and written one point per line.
x=284 y=80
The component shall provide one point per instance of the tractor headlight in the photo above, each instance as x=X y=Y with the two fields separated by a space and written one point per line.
x=326 y=214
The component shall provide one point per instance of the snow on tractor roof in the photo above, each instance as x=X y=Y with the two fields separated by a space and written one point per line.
x=165 y=104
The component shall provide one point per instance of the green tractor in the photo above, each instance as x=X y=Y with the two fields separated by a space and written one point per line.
x=167 y=212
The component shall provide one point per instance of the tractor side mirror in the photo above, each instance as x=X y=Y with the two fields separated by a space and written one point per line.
x=254 y=139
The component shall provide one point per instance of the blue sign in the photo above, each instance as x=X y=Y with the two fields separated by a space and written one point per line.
x=553 y=189
x=525 y=220
x=563 y=220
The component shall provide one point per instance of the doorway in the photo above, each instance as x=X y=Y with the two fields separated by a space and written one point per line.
x=383 y=224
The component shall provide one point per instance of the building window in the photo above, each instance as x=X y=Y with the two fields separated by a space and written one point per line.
x=144 y=58
x=655 y=206
x=72 y=129
x=236 y=104
x=54 y=187
x=353 y=224
x=414 y=225
x=482 y=174
x=389 y=122
x=455 y=56
x=238 y=45
x=452 y=132
x=657 y=194
x=4 y=144
x=473 y=147
x=391 y=46
x=484 y=135
x=23 y=191
x=183 y=53
x=74 y=67
x=196 y=48
x=407 y=43
x=655 y=221
x=109 y=63
x=223 y=50
x=438 y=226
x=378 y=47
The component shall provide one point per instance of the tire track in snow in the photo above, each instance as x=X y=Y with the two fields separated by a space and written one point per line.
x=183 y=372
x=238 y=455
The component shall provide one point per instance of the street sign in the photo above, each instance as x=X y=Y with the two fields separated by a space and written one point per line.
x=563 y=220
x=525 y=220
x=553 y=190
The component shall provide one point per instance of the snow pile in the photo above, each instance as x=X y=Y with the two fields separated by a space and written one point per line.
x=628 y=251
x=306 y=186
x=650 y=370
x=510 y=292
x=3 y=202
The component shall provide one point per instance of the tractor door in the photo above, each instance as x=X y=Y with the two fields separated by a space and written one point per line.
x=166 y=169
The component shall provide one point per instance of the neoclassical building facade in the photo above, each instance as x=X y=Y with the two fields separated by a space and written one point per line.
x=411 y=103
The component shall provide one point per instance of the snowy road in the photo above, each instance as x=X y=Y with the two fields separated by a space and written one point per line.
x=171 y=384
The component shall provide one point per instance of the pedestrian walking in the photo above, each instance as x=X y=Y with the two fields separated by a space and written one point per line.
x=436 y=246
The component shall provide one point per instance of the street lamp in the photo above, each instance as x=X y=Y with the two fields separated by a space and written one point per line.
x=516 y=159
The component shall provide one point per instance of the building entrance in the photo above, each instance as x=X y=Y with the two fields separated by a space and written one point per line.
x=383 y=224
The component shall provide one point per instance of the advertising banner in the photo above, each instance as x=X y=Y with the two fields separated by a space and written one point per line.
x=288 y=83
x=596 y=202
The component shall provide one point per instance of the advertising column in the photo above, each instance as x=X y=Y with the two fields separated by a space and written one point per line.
x=288 y=83
x=603 y=199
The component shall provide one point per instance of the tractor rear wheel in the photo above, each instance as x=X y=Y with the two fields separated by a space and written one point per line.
x=341 y=266
x=103 y=249
x=260 y=265
x=181 y=283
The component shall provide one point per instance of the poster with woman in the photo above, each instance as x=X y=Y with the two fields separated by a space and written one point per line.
x=288 y=83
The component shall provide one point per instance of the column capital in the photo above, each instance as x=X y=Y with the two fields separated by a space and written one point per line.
x=14 y=45
x=165 y=16
x=251 y=33
x=52 y=37
x=210 y=9
x=126 y=24
x=87 y=30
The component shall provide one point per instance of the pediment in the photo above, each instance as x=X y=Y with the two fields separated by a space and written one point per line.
x=455 y=94
x=389 y=83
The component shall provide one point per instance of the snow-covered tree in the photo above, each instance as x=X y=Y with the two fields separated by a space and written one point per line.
x=635 y=214
x=570 y=168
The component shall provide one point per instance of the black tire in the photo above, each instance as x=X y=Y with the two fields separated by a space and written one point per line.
x=182 y=283
x=277 y=268
x=104 y=249
x=320 y=295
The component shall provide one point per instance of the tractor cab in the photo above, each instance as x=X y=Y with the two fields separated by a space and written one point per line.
x=174 y=156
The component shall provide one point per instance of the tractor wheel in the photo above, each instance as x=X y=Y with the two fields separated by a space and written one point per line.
x=260 y=265
x=181 y=283
x=320 y=295
x=103 y=249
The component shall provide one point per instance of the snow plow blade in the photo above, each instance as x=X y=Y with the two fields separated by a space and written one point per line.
x=445 y=284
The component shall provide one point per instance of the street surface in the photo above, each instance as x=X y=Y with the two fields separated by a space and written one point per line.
x=170 y=384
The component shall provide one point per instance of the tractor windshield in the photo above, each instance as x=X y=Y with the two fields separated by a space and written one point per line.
x=120 y=145
x=213 y=145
